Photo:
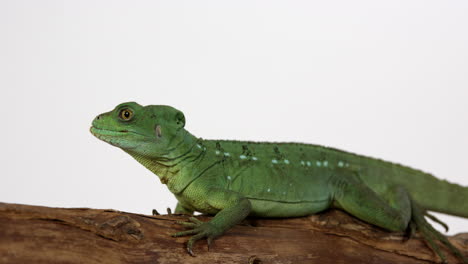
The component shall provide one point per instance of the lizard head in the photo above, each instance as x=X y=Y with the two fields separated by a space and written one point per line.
x=146 y=130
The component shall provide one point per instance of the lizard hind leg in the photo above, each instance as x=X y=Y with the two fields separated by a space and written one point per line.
x=392 y=209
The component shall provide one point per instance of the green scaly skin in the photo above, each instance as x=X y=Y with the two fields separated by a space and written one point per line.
x=236 y=179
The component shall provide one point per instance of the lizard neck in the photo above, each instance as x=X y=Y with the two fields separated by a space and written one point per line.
x=185 y=148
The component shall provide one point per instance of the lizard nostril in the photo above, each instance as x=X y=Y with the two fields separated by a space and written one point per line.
x=98 y=117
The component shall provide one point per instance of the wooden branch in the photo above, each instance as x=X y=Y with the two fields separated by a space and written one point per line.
x=34 y=234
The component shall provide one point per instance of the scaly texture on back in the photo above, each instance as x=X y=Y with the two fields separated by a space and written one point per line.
x=297 y=162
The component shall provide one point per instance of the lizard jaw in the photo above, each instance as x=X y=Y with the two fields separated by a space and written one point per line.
x=123 y=139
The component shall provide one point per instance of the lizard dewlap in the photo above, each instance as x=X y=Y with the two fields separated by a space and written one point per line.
x=235 y=179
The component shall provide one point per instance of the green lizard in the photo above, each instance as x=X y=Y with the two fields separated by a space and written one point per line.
x=236 y=179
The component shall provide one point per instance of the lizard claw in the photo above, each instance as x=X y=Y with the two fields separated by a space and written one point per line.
x=435 y=219
x=190 y=251
x=209 y=240
x=199 y=230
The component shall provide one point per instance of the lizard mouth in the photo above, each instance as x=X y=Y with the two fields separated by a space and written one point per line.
x=123 y=138
x=106 y=132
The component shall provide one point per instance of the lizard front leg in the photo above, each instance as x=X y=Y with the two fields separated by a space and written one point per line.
x=233 y=208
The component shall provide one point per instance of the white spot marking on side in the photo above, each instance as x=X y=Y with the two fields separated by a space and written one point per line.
x=254 y=158
x=242 y=157
x=199 y=146
x=227 y=154
x=302 y=163
x=286 y=161
x=340 y=164
x=325 y=163
x=229 y=177
x=268 y=190
x=217 y=152
x=308 y=163
x=274 y=161
x=318 y=163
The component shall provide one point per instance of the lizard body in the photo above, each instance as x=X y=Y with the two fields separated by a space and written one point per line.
x=234 y=179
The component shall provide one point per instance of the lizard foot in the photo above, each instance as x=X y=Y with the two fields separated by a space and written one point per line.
x=431 y=235
x=200 y=230
x=155 y=212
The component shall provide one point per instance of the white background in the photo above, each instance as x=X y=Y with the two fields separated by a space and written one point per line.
x=387 y=79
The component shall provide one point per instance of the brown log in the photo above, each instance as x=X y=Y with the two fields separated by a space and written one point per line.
x=34 y=234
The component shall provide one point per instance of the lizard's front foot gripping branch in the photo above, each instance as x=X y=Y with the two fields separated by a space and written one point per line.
x=200 y=230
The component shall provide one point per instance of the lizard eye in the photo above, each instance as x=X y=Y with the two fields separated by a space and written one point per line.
x=126 y=114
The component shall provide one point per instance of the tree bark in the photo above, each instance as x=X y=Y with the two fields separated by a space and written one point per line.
x=35 y=234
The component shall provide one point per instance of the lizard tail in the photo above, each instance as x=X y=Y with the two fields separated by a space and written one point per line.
x=438 y=195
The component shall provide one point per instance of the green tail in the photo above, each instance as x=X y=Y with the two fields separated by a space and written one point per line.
x=434 y=194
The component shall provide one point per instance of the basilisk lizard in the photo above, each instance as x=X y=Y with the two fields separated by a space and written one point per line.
x=236 y=179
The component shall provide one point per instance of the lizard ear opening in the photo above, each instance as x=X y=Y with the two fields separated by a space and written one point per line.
x=157 y=129
x=180 y=119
